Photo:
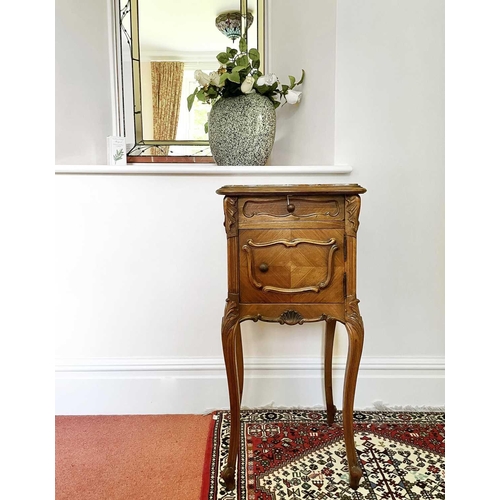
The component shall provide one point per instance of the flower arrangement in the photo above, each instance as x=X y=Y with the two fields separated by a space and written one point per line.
x=239 y=74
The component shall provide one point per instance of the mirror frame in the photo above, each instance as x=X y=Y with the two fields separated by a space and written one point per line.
x=141 y=145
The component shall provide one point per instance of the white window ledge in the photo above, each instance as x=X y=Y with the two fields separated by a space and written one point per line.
x=201 y=169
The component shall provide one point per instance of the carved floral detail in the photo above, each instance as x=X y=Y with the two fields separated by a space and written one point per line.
x=353 y=206
x=231 y=316
x=352 y=314
x=230 y=214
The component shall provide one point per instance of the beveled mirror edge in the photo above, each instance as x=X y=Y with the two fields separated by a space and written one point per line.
x=139 y=141
x=136 y=71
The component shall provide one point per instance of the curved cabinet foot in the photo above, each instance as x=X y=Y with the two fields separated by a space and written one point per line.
x=227 y=475
x=355 y=477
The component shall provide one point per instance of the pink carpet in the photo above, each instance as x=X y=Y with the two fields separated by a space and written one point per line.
x=130 y=457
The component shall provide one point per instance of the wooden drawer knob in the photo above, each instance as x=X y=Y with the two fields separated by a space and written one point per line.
x=264 y=267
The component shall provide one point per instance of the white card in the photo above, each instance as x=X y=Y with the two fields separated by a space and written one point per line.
x=117 y=151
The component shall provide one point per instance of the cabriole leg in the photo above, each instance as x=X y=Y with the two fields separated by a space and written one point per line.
x=230 y=330
x=239 y=359
x=331 y=409
x=355 y=331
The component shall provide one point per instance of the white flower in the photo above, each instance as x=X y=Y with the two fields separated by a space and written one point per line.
x=214 y=78
x=202 y=78
x=267 y=79
x=247 y=85
x=293 y=97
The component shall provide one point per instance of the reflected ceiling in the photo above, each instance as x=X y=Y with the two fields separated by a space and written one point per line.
x=162 y=25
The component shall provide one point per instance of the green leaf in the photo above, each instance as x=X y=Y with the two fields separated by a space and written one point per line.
x=234 y=77
x=222 y=57
x=256 y=64
x=276 y=103
x=223 y=78
x=206 y=128
x=201 y=96
x=284 y=88
x=254 y=55
x=118 y=155
x=228 y=50
x=242 y=61
x=237 y=69
x=292 y=81
x=243 y=44
x=190 y=100
x=232 y=53
x=301 y=78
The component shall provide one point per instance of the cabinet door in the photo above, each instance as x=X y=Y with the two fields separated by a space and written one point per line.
x=291 y=265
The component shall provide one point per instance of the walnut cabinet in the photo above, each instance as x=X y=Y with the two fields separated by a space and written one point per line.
x=291 y=253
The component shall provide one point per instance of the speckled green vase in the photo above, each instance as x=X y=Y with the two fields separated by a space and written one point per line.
x=241 y=130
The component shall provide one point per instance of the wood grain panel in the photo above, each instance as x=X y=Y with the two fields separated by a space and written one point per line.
x=301 y=265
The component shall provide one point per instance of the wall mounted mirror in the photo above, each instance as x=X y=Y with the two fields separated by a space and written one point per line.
x=162 y=44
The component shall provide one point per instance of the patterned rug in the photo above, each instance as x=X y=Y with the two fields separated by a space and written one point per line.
x=295 y=454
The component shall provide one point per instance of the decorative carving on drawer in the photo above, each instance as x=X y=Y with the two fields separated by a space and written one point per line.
x=230 y=216
x=250 y=245
x=291 y=207
x=289 y=317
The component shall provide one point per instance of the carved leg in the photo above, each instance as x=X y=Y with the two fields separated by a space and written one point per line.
x=355 y=331
x=239 y=359
x=230 y=328
x=331 y=409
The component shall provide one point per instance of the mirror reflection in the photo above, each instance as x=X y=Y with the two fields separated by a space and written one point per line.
x=176 y=38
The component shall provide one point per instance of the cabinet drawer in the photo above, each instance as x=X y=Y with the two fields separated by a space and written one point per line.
x=291 y=265
x=291 y=211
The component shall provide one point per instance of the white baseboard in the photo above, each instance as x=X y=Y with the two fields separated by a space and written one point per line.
x=119 y=386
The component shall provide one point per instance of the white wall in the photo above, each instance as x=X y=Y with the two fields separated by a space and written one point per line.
x=390 y=127
x=299 y=39
x=83 y=110
x=141 y=259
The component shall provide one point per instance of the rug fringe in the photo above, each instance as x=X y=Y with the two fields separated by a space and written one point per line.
x=272 y=406
x=381 y=406
x=377 y=406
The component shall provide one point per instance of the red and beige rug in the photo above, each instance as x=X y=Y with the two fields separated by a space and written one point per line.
x=295 y=455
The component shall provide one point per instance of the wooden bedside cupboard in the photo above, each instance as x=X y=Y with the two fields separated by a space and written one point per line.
x=291 y=254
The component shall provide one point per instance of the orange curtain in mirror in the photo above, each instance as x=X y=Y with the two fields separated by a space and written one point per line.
x=166 y=81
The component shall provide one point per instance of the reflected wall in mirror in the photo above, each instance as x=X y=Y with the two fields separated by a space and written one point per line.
x=167 y=41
